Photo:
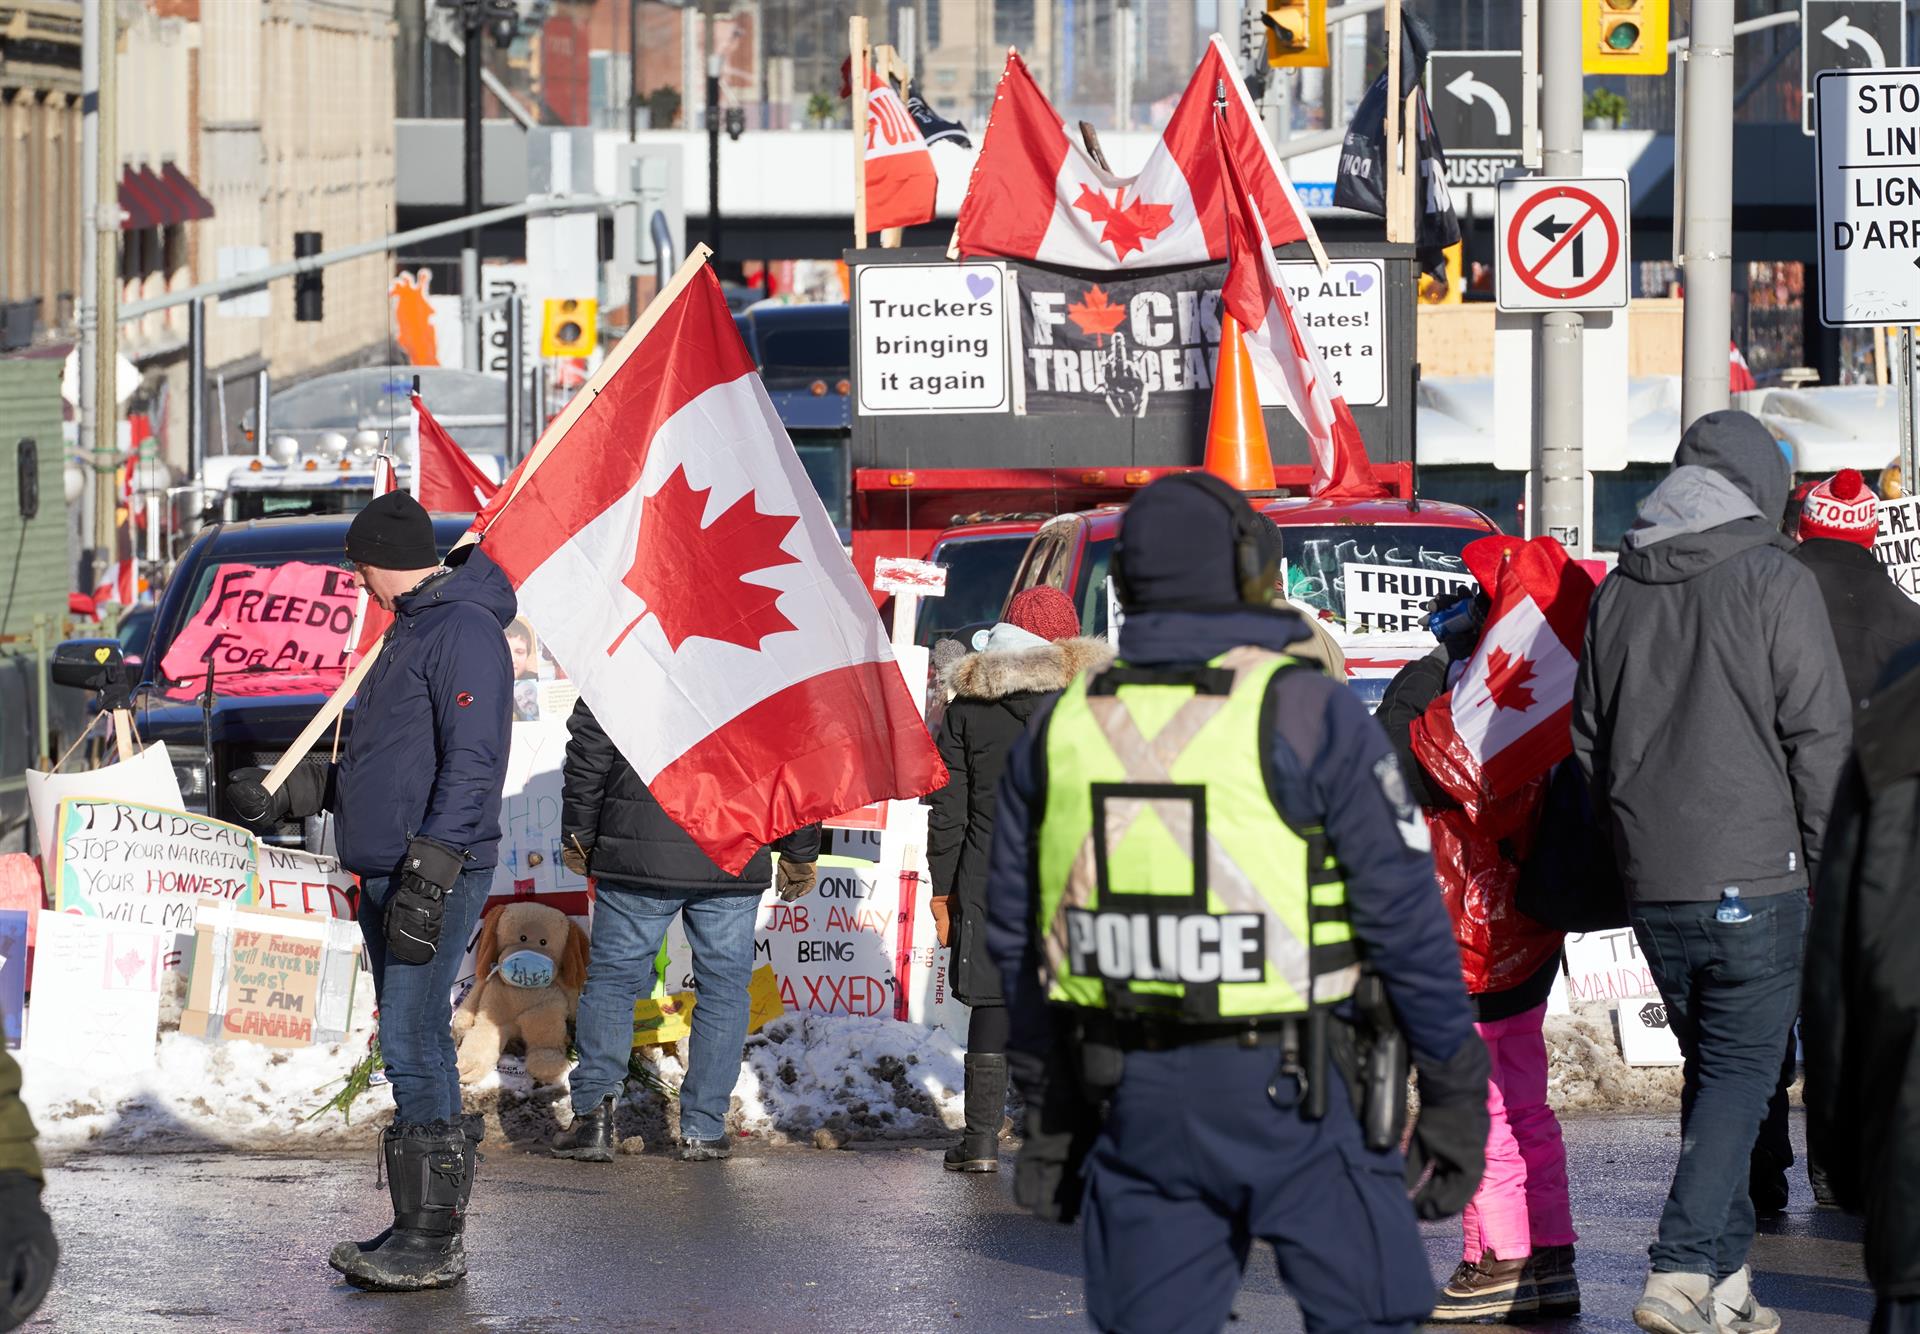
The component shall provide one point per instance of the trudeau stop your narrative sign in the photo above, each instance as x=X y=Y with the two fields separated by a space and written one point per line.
x=1867 y=145
x=1562 y=243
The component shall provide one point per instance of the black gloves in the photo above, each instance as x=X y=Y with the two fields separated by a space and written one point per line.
x=28 y=1252
x=303 y=794
x=418 y=903
x=1063 y=1119
x=1449 y=1147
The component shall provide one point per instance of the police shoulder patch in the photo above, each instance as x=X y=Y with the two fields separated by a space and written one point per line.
x=1407 y=817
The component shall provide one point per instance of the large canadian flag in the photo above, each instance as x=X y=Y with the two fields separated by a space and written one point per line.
x=1509 y=718
x=1036 y=193
x=678 y=564
x=445 y=479
x=1283 y=352
x=901 y=181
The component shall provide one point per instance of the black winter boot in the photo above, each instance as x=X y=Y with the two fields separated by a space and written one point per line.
x=591 y=1138
x=979 y=1147
x=430 y=1178
x=471 y=1165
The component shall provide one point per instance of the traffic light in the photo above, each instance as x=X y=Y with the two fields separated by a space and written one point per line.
x=1624 y=36
x=1296 y=33
x=569 y=326
x=306 y=286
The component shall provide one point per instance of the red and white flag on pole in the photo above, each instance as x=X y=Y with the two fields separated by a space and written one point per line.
x=1283 y=351
x=1739 y=375
x=445 y=479
x=1509 y=718
x=672 y=554
x=370 y=619
x=1036 y=193
x=901 y=181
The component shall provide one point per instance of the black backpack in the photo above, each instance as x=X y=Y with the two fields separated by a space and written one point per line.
x=1570 y=881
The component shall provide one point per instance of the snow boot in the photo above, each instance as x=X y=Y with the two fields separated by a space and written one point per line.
x=591 y=1138
x=1487 y=1291
x=986 y=1104
x=471 y=1165
x=1554 y=1280
x=430 y=1179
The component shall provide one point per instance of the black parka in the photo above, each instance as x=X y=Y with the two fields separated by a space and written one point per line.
x=994 y=693
x=633 y=842
x=1861 y=1003
x=1872 y=619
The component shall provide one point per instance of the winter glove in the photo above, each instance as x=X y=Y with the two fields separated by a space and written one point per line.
x=942 y=918
x=1449 y=1147
x=28 y=1252
x=574 y=857
x=419 y=903
x=303 y=794
x=795 y=880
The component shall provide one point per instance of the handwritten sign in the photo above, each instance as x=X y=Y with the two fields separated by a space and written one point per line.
x=1607 y=965
x=267 y=979
x=1897 y=545
x=304 y=884
x=145 y=866
x=899 y=574
x=148 y=777
x=96 y=993
x=1391 y=599
x=282 y=629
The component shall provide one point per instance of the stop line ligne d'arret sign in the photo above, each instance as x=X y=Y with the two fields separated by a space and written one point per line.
x=1868 y=149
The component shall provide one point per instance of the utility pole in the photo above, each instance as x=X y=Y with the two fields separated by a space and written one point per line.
x=104 y=225
x=713 y=139
x=474 y=30
x=88 y=314
x=1708 y=203
x=633 y=137
x=1123 y=38
x=1559 y=467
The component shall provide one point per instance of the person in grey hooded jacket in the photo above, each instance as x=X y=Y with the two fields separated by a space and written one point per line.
x=1712 y=720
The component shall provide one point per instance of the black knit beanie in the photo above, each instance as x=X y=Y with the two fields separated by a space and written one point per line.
x=392 y=533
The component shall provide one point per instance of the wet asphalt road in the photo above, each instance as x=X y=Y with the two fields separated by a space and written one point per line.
x=875 y=1239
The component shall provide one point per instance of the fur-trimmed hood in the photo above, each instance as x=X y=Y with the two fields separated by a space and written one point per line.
x=1050 y=667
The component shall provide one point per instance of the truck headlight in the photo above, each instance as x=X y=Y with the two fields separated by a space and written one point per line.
x=190 y=770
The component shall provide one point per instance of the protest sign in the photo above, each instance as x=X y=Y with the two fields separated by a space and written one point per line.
x=13 y=972
x=1897 y=545
x=267 y=978
x=267 y=630
x=659 y=1020
x=1146 y=345
x=1392 y=599
x=1645 y=1036
x=146 y=866
x=21 y=888
x=148 y=777
x=931 y=338
x=1607 y=965
x=96 y=993
x=304 y=884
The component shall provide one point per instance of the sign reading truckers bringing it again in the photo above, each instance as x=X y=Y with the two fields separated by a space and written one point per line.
x=931 y=338
x=1867 y=147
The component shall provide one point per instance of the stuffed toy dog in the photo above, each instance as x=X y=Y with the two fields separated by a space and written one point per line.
x=528 y=970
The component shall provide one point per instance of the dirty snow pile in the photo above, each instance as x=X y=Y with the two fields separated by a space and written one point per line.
x=1585 y=1072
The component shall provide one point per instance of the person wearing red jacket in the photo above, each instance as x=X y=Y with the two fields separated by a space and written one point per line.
x=1517 y=1257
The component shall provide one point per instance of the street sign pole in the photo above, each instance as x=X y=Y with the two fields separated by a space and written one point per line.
x=1708 y=127
x=1559 y=468
x=1908 y=383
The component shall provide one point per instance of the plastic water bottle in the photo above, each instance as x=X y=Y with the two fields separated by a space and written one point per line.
x=1731 y=909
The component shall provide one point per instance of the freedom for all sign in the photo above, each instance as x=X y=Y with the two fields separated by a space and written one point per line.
x=275 y=630
x=1135 y=346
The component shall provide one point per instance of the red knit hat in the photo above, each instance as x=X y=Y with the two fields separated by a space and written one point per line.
x=1043 y=611
x=1841 y=508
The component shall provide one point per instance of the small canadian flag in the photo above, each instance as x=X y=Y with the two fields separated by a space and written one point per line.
x=1509 y=717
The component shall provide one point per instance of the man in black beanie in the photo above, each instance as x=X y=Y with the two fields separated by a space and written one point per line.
x=417 y=803
x=1191 y=852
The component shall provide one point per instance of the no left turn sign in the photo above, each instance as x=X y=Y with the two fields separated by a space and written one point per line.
x=1563 y=244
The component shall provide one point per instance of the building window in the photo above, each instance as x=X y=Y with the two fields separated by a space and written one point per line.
x=1013 y=23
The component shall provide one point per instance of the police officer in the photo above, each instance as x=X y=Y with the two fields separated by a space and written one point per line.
x=1196 y=850
x=417 y=801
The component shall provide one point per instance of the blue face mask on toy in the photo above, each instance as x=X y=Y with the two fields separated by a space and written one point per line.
x=526 y=968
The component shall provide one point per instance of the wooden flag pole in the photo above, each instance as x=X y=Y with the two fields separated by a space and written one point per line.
x=549 y=440
x=859 y=71
x=893 y=69
x=1396 y=130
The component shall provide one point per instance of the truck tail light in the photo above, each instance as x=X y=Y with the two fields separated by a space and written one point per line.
x=899 y=479
x=1138 y=477
x=1096 y=477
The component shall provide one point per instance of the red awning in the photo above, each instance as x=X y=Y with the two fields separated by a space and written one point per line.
x=195 y=206
x=137 y=206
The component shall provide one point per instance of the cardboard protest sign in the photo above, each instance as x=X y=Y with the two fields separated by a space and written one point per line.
x=267 y=978
x=143 y=865
x=1645 y=1036
x=660 y=1020
x=304 y=884
x=13 y=974
x=1897 y=545
x=148 y=777
x=96 y=993
x=1389 y=599
x=267 y=630
x=1607 y=965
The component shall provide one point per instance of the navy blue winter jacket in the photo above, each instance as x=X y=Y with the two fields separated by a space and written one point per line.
x=1330 y=766
x=431 y=725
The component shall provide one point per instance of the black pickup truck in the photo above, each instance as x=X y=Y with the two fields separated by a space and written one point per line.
x=242 y=726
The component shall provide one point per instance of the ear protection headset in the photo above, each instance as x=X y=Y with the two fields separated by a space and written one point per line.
x=1256 y=562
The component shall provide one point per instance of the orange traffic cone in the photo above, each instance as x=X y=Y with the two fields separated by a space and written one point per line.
x=1236 y=432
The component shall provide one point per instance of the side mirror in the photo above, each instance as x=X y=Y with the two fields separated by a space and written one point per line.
x=88 y=664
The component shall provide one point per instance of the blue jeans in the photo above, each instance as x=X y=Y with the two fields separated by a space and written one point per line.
x=628 y=926
x=416 y=999
x=1732 y=990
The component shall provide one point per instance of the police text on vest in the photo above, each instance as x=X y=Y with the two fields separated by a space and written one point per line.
x=1195 y=948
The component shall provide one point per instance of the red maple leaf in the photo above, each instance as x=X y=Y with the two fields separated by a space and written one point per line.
x=1128 y=228
x=1096 y=316
x=1507 y=679
x=690 y=573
